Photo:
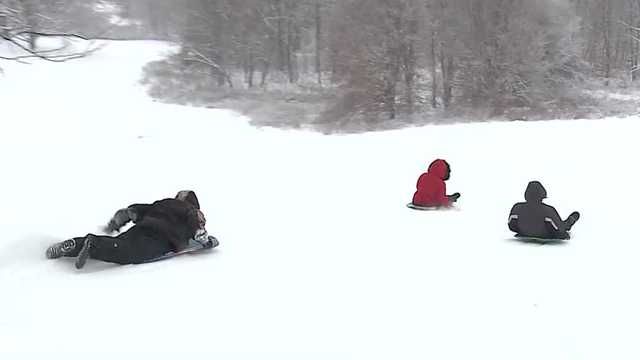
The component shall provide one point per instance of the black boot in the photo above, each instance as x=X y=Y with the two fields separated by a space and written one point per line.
x=64 y=248
x=84 y=252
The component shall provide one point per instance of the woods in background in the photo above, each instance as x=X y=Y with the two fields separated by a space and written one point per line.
x=386 y=57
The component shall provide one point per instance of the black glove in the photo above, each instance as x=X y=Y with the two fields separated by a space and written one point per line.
x=119 y=219
x=454 y=197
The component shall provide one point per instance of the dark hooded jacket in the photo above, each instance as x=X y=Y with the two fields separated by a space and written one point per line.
x=431 y=189
x=168 y=222
x=534 y=218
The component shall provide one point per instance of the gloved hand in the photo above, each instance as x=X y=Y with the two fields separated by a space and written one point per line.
x=207 y=241
x=213 y=242
x=454 y=197
x=119 y=219
x=201 y=236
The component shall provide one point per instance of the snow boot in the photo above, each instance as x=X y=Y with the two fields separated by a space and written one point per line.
x=64 y=248
x=572 y=219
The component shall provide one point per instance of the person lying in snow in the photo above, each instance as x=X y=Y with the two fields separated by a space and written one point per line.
x=431 y=189
x=165 y=226
x=536 y=219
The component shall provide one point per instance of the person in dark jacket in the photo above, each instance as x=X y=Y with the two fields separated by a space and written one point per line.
x=431 y=188
x=159 y=228
x=534 y=218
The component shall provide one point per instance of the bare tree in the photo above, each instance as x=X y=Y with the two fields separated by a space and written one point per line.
x=318 y=39
x=22 y=22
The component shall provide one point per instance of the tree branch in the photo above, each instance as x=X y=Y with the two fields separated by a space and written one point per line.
x=46 y=55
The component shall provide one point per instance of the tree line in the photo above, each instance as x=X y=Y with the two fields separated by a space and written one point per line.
x=389 y=56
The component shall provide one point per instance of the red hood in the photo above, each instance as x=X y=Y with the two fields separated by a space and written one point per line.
x=438 y=168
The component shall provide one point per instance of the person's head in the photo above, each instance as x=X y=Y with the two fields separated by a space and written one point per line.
x=190 y=197
x=535 y=192
x=441 y=169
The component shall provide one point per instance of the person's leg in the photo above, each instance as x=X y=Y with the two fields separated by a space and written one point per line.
x=105 y=248
x=563 y=235
x=554 y=233
x=134 y=246
x=571 y=220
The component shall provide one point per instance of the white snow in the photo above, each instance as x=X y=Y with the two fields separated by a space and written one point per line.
x=319 y=257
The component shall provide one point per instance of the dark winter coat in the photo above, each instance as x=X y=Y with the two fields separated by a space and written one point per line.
x=170 y=221
x=431 y=188
x=534 y=218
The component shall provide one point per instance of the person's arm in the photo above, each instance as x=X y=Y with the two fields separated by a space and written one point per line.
x=513 y=219
x=553 y=220
x=133 y=213
x=440 y=195
x=138 y=211
x=454 y=197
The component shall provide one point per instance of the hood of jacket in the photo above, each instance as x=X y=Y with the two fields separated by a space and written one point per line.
x=535 y=192
x=439 y=168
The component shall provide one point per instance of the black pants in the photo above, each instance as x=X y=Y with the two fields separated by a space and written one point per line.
x=561 y=234
x=134 y=246
x=546 y=231
x=556 y=234
x=550 y=233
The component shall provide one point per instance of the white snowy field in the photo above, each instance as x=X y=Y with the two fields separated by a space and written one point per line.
x=319 y=257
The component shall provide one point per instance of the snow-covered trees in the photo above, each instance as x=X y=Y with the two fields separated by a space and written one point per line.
x=388 y=57
x=515 y=52
x=609 y=33
x=497 y=52
x=374 y=47
x=254 y=35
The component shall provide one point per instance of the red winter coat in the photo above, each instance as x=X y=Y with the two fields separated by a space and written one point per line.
x=431 y=189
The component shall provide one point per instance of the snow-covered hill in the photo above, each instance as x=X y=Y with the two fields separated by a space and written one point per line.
x=319 y=257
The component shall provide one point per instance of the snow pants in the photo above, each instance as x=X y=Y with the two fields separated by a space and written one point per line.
x=133 y=246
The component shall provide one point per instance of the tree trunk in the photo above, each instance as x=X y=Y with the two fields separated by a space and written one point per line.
x=391 y=81
x=265 y=74
x=446 y=66
x=606 y=23
x=447 y=86
x=280 y=36
x=289 y=52
x=251 y=70
x=4 y=24
x=318 y=19
x=30 y=18
x=409 y=74
x=434 y=79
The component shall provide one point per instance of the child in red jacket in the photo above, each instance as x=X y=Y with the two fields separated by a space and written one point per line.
x=431 y=189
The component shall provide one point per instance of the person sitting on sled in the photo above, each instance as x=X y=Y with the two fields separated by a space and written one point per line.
x=431 y=188
x=536 y=219
x=165 y=226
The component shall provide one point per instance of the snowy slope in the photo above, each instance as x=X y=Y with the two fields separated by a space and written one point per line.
x=319 y=258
